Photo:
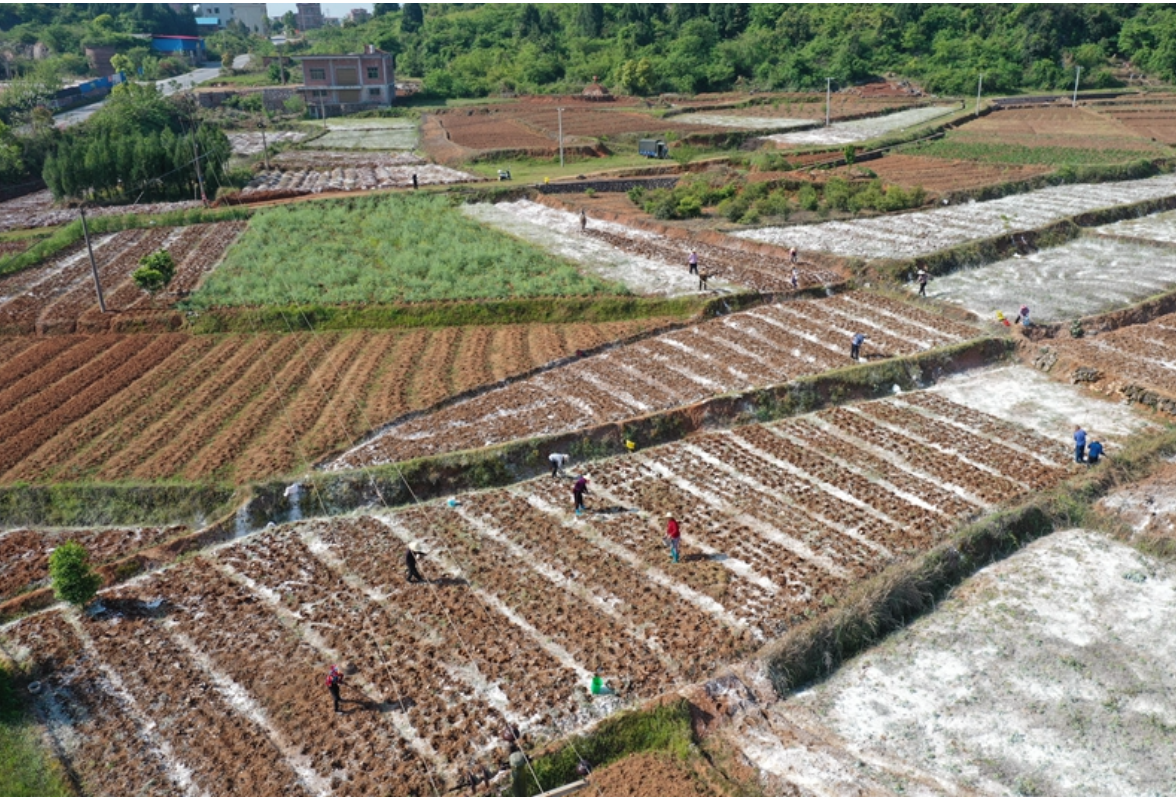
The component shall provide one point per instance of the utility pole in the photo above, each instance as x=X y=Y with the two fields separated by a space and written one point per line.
x=93 y=266
x=199 y=172
x=264 y=148
x=979 y=86
x=828 y=98
x=1077 y=75
x=559 y=112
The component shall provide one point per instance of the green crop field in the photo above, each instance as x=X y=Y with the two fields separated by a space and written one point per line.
x=1010 y=153
x=400 y=248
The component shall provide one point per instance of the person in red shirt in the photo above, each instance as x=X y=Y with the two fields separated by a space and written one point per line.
x=334 y=681
x=673 y=536
x=578 y=489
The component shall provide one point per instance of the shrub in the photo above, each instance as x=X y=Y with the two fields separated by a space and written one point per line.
x=147 y=279
x=294 y=105
x=838 y=194
x=74 y=581
x=850 y=152
x=807 y=197
x=155 y=271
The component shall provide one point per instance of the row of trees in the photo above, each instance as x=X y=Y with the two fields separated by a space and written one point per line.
x=140 y=144
x=645 y=48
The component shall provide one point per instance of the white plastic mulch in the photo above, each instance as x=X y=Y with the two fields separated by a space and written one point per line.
x=859 y=130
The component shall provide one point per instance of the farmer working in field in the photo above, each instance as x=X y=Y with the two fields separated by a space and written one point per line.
x=1094 y=453
x=1023 y=317
x=583 y=221
x=692 y=261
x=411 y=554
x=855 y=345
x=1079 y=443
x=334 y=681
x=792 y=255
x=558 y=462
x=923 y=277
x=673 y=537
x=578 y=490
x=795 y=279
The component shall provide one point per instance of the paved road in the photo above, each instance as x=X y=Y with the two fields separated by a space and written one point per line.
x=167 y=86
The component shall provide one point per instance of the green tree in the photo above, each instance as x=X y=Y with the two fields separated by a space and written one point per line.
x=412 y=17
x=290 y=22
x=74 y=580
x=636 y=77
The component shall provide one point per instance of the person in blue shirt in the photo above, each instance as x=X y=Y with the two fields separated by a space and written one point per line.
x=1093 y=453
x=1079 y=443
x=855 y=345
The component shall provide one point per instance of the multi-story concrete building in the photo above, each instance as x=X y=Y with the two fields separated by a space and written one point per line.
x=334 y=85
x=251 y=15
x=359 y=15
x=309 y=16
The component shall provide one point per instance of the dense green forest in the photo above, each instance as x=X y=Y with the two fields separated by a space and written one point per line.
x=646 y=48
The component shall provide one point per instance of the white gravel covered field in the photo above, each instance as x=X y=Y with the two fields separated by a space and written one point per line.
x=1156 y=228
x=736 y=121
x=1047 y=674
x=923 y=232
x=859 y=130
x=558 y=232
x=249 y=143
x=1083 y=277
x=343 y=179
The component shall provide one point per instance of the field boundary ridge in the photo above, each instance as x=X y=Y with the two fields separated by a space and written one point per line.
x=896 y=597
x=451 y=473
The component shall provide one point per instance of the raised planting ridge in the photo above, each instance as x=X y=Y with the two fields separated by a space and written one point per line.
x=242 y=407
x=761 y=347
x=57 y=296
x=527 y=602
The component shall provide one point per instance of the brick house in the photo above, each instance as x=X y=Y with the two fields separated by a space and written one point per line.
x=334 y=85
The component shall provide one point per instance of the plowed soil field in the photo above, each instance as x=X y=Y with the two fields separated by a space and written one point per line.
x=761 y=347
x=941 y=175
x=24 y=553
x=207 y=677
x=1136 y=357
x=242 y=407
x=37 y=210
x=57 y=296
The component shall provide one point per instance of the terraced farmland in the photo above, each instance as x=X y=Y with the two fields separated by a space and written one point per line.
x=647 y=262
x=739 y=351
x=242 y=407
x=923 y=232
x=1079 y=278
x=58 y=296
x=528 y=602
x=1135 y=357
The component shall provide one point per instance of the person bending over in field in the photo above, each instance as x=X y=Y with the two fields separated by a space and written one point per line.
x=855 y=345
x=578 y=490
x=334 y=681
x=410 y=564
x=1094 y=453
x=558 y=462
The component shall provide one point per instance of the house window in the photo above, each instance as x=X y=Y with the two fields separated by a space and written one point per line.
x=374 y=73
x=374 y=91
x=346 y=76
x=318 y=74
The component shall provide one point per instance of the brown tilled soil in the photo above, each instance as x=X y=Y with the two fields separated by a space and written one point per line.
x=243 y=407
x=651 y=775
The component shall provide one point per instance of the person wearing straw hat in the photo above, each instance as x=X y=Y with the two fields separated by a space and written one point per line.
x=411 y=554
x=673 y=536
x=923 y=277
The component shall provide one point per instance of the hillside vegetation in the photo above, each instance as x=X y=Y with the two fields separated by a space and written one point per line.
x=645 y=48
